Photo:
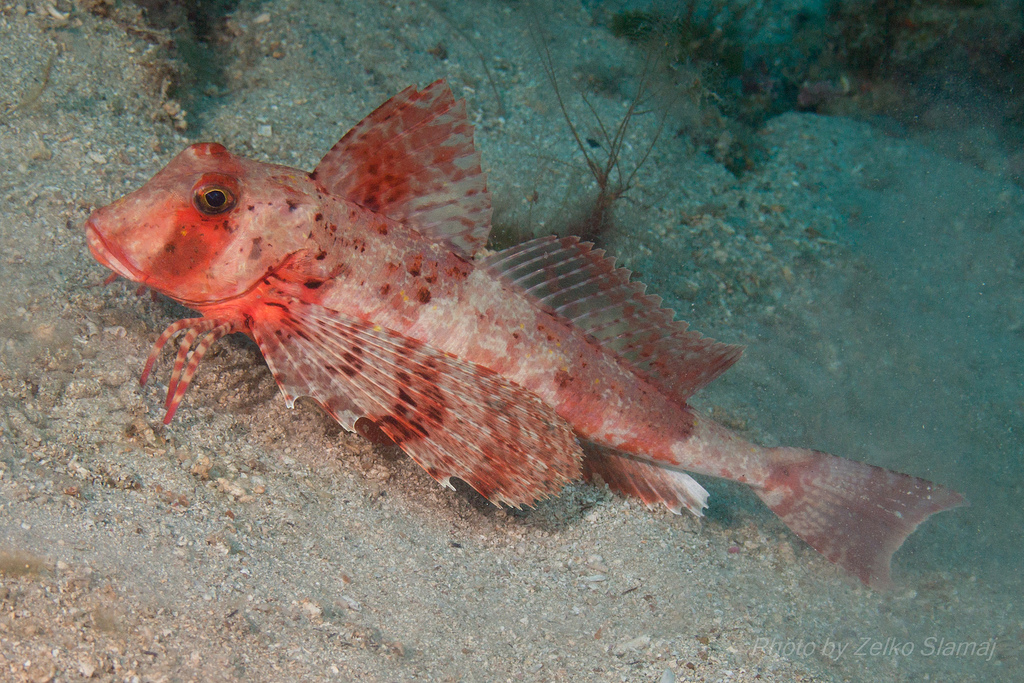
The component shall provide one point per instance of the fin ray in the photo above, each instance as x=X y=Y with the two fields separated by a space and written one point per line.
x=207 y=331
x=580 y=284
x=413 y=160
x=651 y=483
x=855 y=514
x=454 y=418
x=297 y=377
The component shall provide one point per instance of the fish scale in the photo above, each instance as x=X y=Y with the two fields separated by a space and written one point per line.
x=365 y=286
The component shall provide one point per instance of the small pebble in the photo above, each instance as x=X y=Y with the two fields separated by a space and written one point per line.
x=311 y=609
x=86 y=668
x=630 y=645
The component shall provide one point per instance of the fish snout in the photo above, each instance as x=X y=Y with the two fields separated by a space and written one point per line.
x=103 y=253
x=95 y=241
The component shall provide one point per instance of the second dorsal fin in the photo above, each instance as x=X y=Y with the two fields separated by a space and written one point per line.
x=569 y=278
x=413 y=160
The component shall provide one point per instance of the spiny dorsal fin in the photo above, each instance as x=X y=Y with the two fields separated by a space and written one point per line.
x=570 y=279
x=413 y=160
x=650 y=483
x=454 y=418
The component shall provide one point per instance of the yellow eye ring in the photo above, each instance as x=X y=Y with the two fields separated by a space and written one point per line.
x=214 y=199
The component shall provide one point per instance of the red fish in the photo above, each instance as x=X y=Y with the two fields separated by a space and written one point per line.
x=367 y=287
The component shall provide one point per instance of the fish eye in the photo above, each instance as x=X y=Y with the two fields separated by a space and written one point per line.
x=214 y=199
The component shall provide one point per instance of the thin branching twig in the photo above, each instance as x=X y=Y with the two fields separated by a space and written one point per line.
x=598 y=219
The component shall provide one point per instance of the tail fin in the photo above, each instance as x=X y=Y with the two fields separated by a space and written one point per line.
x=856 y=515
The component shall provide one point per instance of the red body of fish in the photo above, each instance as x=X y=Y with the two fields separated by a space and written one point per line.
x=365 y=286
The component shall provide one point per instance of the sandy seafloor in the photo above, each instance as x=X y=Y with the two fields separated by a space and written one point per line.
x=875 y=281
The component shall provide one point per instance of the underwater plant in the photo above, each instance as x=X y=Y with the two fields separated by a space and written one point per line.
x=704 y=31
x=709 y=39
x=902 y=56
x=603 y=154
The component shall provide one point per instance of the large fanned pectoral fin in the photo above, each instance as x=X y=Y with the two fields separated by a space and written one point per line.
x=298 y=373
x=454 y=418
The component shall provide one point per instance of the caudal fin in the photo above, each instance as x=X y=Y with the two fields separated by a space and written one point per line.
x=856 y=515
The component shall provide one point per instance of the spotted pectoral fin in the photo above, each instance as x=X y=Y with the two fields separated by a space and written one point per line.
x=454 y=418
x=298 y=374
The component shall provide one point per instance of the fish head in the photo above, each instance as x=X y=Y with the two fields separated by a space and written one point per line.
x=208 y=227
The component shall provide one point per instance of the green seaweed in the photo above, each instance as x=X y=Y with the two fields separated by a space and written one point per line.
x=709 y=32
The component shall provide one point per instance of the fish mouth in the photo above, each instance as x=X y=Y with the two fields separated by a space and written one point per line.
x=112 y=258
x=108 y=255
